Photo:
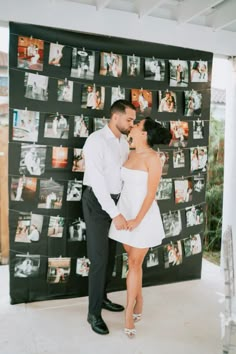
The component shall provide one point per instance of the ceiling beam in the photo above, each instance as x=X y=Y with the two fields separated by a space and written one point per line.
x=101 y=4
x=147 y=6
x=223 y=17
x=192 y=8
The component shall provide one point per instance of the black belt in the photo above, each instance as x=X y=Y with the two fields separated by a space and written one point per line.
x=113 y=196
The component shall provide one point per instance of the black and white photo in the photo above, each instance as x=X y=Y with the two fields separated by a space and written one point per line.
x=193 y=103
x=83 y=62
x=154 y=69
x=50 y=194
x=164 y=190
x=77 y=230
x=178 y=158
x=81 y=126
x=26 y=265
x=65 y=90
x=32 y=159
x=36 y=87
x=56 y=226
x=172 y=223
x=133 y=65
x=74 y=191
x=25 y=125
x=56 y=126
x=198 y=129
x=194 y=215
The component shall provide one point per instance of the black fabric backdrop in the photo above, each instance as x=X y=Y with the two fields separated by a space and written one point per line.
x=27 y=289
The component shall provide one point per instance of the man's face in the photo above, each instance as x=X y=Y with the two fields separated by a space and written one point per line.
x=125 y=121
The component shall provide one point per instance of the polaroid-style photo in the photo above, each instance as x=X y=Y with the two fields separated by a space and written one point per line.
x=178 y=158
x=193 y=103
x=183 y=190
x=93 y=97
x=30 y=53
x=142 y=100
x=83 y=62
x=77 y=230
x=198 y=129
x=59 y=157
x=36 y=87
x=117 y=93
x=110 y=64
x=81 y=126
x=167 y=101
x=50 y=194
x=65 y=90
x=25 y=125
x=199 y=71
x=74 y=191
x=82 y=266
x=152 y=258
x=194 y=215
x=32 y=159
x=154 y=69
x=164 y=190
x=125 y=266
x=56 y=126
x=198 y=158
x=78 y=161
x=23 y=189
x=173 y=254
x=172 y=223
x=179 y=131
x=29 y=228
x=100 y=123
x=198 y=184
x=133 y=65
x=56 y=226
x=178 y=73
x=26 y=265
x=164 y=157
x=4 y=86
x=58 y=270
x=55 y=54
x=192 y=245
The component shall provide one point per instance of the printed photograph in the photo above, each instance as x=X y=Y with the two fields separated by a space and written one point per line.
x=74 y=191
x=154 y=69
x=179 y=131
x=82 y=266
x=178 y=73
x=167 y=101
x=32 y=159
x=142 y=100
x=25 y=125
x=183 y=190
x=117 y=93
x=23 y=189
x=29 y=227
x=78 y=161
x=56 y=126
x=30 y=53
x=26 y=265
x=199 y=71
x=194 y=215
x=125 y=266
x=50 y=194
x=59 y=157
x=178 y=158
x=36 y=87
x=173 y=254
x=56 y=226
x=164 y=190
x=110 y=64
x=133 y=65
x=81 y=126
x=198 y=129
x=99 y=123
x=93 y=97
x=77 y=230
x=198 y=157
x=83 y=62
x=172 y=223
x=198 y=184
x=192 y=245
x=65 y=90
x=164 y=157
x=152 y=258
x=55 y=54
x=4 y=86
x=193 y=103
x=58 y=270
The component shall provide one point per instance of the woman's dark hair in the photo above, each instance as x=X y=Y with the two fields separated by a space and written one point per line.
x=156 y=133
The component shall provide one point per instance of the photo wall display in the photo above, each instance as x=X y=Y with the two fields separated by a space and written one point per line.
x=62 y=93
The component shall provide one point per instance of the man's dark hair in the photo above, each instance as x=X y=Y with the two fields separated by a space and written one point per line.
x=120 y=106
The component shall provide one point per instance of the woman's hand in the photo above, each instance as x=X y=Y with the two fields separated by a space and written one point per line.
x=131 y=224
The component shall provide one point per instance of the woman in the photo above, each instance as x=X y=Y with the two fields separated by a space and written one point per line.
x=141 y=174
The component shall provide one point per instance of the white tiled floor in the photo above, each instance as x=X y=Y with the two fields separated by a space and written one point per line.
x=179 y=318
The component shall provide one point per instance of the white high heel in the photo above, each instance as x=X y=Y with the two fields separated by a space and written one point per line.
x=130 y=332
x=137 y=317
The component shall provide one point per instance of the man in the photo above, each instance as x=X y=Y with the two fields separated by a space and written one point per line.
x=105 y=152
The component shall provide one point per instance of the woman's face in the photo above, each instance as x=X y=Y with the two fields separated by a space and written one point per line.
x=137 y=134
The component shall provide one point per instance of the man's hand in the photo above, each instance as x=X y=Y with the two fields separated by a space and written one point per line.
x=120 y=222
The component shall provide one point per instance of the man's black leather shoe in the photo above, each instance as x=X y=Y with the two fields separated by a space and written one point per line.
x=97 y=324
x=110 y=306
